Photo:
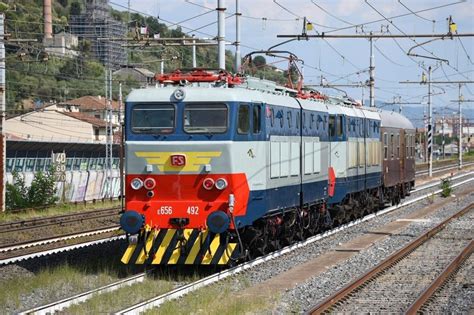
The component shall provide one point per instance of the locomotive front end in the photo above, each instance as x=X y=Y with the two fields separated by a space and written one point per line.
x=182 y=195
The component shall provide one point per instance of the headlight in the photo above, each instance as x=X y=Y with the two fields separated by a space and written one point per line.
x=149 y=183
x=221 y=184
x=136 y=183
x=208 y=183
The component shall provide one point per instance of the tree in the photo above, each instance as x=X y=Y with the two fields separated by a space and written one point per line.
x=75 y=8
x=259 y=61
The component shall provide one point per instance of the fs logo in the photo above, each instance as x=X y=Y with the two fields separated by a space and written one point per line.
x=178 y=160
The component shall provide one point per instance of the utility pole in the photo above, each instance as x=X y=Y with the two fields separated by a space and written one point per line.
x=108 y=131
x=372 y=72
x=221 y=32
x=443 y=140
x=460 y=127
x=2 y=112
x=430 y=113
x=121 y=148
x=461 y=100
x=238 y=14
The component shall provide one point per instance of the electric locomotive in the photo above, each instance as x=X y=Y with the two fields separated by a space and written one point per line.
x=220 y=168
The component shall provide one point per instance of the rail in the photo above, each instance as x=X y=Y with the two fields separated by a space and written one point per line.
x=330 y=302
x=440 y=280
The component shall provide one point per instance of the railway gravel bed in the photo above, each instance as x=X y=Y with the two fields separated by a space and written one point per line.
x=456 y=296
x=400 y=285
x=317 y=288
x=286 y=262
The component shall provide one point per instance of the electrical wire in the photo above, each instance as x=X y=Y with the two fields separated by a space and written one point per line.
x=390 y=60
x=398 y=16
x=330 y=14
x=415 y=14
x=465 y=51
x=294 y=14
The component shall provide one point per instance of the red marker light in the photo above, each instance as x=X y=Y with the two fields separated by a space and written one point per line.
x=208 y=183
x=149 y=183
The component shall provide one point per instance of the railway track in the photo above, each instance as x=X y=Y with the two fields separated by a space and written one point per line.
x=442 y=169
x=17 y=226
x=395 y=283
x=183 y=290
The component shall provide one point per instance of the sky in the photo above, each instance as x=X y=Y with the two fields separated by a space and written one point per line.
x=346 y=61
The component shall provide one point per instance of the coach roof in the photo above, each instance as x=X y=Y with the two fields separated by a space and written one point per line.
x=395 y=120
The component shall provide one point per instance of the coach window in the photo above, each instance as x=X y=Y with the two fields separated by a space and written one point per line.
x=332 y=126
x=272 y=117
x=153 y=118
x=311 y=121
x=398 y=146
x=392 y=145
x=257 y=110
x=385 y=145
x=340 y=126
x=298 y=120
x=303 y=121
x=243 y=120
x=288 y=116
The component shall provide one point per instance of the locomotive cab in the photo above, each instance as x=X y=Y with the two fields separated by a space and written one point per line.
x=186 y=188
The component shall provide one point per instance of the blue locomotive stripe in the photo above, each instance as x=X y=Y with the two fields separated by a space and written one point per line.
x=277 y=199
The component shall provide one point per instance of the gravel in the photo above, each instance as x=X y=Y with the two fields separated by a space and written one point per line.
x=316 y=289
x=302 y=255
x=308 y=293
x=456 y=295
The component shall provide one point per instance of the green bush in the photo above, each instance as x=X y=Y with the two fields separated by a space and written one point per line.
x=42 y=191
x=446 y=188
x=16 y=193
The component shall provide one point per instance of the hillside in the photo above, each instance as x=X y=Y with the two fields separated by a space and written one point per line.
x=34 y=77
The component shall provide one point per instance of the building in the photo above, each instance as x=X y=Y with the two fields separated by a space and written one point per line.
x=94 y=106
x=96 y=23
x=62 y=44
x=143 y=76
x=50 y=125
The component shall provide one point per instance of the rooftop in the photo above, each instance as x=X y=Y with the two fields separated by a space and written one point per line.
x=89 y=103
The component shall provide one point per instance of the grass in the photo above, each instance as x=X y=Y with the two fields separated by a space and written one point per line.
x=163 y=281
x=58 y=209
x=221 y=298
x=122 y=298
x=49 y=283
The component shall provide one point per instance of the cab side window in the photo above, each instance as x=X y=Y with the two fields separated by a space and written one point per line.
x=257 y=110
x=243 y=119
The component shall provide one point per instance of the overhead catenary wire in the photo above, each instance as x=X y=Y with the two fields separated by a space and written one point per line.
x=398 y=16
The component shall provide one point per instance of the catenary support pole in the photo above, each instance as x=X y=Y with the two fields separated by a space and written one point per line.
x=237 y=35
x=221 y=32
x=372 y=73
x=194 y=52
